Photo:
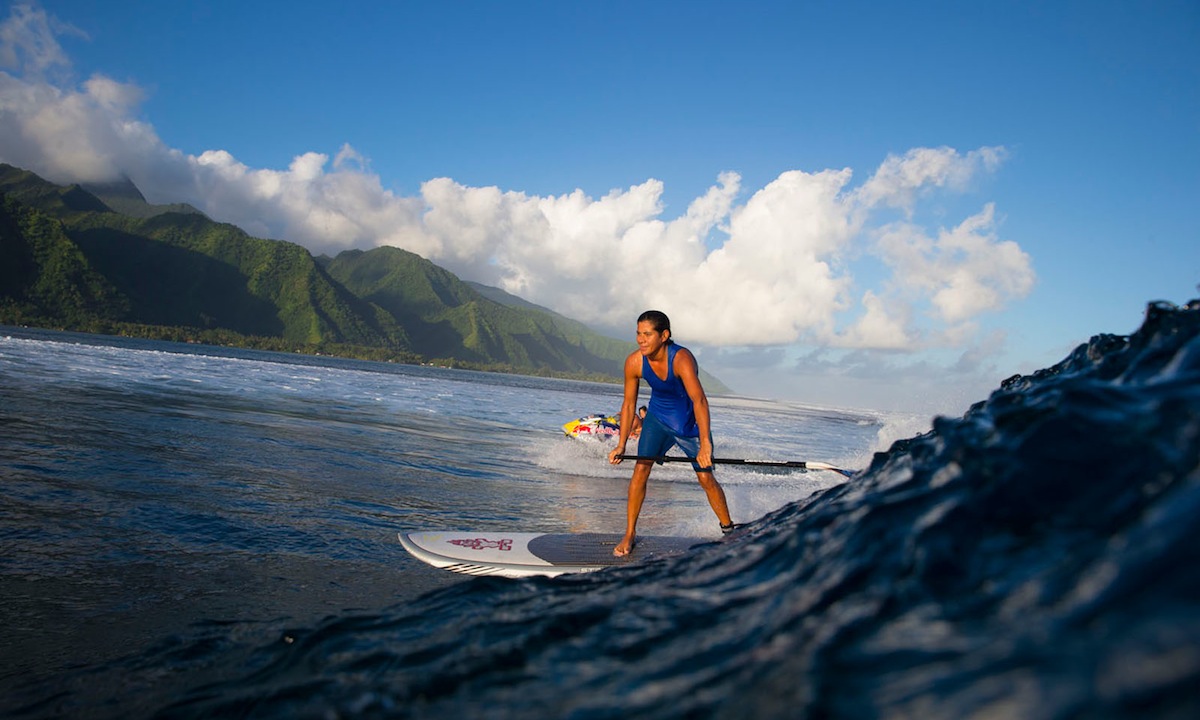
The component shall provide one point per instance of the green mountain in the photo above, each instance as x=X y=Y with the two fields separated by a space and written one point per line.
x=123 y=196
x=44 y=274
x=115 y=264
x=448 y=318
x=186 y=274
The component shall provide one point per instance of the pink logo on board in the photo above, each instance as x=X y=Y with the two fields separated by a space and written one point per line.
x=482 y=544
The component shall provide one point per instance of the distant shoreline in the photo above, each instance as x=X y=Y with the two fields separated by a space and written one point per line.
x=228 y=339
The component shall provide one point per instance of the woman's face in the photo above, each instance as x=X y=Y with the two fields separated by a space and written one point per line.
x=650 y=340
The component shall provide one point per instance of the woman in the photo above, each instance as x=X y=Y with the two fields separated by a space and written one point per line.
x=677 y=415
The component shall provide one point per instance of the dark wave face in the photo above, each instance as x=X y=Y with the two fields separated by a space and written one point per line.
x=1036 y=558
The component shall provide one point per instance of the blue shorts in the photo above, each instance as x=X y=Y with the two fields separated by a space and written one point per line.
x=656 y=439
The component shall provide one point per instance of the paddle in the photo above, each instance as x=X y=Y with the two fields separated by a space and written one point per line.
x=803 y=465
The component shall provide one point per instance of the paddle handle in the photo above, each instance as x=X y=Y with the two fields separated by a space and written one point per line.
x=802 y=464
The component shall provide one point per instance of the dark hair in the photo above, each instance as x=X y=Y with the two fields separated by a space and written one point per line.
x=659 y=320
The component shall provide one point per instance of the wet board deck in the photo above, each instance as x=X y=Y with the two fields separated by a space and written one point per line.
x=527 y=554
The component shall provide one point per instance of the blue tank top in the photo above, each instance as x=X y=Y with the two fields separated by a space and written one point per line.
x=669 y=401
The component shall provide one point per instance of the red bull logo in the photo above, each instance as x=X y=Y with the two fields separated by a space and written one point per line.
x=483 y=544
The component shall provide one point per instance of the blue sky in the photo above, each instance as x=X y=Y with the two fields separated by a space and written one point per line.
x=882 y=205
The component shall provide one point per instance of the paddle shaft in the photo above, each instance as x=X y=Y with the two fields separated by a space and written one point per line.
x=801 y=464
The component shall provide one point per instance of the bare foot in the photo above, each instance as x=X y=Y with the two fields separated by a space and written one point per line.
x=624 y=547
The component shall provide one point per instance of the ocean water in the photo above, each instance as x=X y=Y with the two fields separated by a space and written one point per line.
x=191 y=533
x=168 y=508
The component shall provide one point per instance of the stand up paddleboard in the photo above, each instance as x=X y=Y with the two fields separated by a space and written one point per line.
x=527 y=554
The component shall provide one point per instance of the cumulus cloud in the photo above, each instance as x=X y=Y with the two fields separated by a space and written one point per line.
x=326 y=210
x=768 y=266
x=29 y=42
x=900 y=179
x=963 y=271
x=71 y=135
x=882 y=325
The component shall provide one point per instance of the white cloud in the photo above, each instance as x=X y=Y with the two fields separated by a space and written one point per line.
x=963 y=272
x=774 y=268
x=774 y=279
x=326 y=212
x=880 y=326
x=899 y=180
x=70 y=135
x=29 y=43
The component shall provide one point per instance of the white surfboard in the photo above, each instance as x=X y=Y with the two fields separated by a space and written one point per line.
x=526 y=554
